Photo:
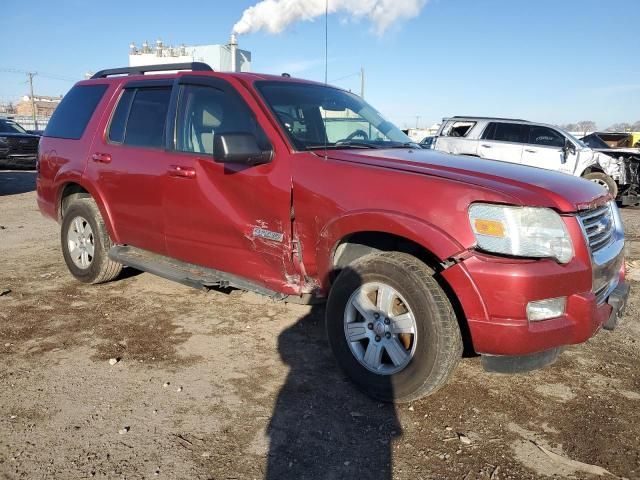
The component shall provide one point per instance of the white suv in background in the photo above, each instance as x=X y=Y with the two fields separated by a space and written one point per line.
x=528 y=143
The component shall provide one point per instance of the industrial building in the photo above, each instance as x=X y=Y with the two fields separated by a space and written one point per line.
x=222 y=58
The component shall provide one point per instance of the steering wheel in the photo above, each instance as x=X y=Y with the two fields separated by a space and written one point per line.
x=287 y=120
x=357 y=133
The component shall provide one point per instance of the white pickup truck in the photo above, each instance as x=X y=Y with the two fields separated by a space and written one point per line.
x=534 y=144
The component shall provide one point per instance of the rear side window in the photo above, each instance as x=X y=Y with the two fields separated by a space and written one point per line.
x=71 y=117
x=506 y=132
x=140 y=117
x=457 y=129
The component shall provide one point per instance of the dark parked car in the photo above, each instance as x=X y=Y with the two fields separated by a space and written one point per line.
x=15 y=142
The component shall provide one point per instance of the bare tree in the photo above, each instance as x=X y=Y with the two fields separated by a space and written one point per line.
x=570 y=127
x=619 y=127
x=586 y=126
x=636 y=126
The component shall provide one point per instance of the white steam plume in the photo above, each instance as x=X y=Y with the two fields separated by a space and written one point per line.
x=275 y=15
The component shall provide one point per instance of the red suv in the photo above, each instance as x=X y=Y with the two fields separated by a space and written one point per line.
x=302 y=191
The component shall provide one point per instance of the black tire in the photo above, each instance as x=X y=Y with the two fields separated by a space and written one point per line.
x=102 y=268
x=604 y=180
x=438 y=346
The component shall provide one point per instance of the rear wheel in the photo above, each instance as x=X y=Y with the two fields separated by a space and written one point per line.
x=392 y=328
x=604 y=180
x=86 y=243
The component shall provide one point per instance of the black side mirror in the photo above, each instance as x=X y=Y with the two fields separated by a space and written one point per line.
x=239 y=148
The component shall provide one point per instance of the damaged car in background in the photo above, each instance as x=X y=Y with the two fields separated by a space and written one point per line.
x=537 y=145
x=629 y=158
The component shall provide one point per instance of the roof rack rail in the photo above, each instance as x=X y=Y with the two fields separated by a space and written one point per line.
x=489 y=118
x=142 y=69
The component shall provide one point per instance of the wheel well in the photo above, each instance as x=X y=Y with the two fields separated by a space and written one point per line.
x=363 y=243
x=70 y=192
x=591 y=169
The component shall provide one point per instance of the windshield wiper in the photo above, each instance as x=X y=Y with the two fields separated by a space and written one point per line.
x=342 y=145
x=405 y=145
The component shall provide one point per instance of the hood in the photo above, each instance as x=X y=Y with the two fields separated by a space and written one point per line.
x=19 y=135
x=618 y=151
x=523 y=185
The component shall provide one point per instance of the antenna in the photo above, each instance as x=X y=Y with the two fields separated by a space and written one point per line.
x=326 y=39
x=326 y=68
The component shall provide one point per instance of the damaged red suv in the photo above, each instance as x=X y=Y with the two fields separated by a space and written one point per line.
x=302 y=192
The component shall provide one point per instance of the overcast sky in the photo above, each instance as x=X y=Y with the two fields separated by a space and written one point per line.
x=548 y=60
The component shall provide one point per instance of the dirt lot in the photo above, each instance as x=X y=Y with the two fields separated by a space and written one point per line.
x=235 y=386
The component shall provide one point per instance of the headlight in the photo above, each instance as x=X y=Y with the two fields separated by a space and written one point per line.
x=521 y=231
x=4 y=141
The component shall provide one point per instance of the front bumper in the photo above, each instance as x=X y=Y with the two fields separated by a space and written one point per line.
x=494 y=291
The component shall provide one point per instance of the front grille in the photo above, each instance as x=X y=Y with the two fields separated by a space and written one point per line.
x=599 y=226
x=23 y=146
x=603 y=231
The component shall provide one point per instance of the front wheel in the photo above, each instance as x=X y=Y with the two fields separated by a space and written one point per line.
x=392 y=328
x=604 y=180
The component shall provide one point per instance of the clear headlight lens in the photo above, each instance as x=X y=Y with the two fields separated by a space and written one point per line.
x=3 y=140
x=521 y=231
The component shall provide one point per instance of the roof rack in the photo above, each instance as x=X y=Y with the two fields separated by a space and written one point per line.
x=141 y=70
x=489 y=118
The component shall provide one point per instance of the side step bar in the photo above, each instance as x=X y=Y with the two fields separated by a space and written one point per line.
x=186 y=273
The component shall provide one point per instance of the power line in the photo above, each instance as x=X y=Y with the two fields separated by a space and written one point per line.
x=41 y=74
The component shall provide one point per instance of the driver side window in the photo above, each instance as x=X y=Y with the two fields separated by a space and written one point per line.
x=545 y=137
x=204 y=112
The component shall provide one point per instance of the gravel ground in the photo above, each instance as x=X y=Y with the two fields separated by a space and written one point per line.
x=234 y=386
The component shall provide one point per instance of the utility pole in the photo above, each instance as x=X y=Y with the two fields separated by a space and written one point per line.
x=417 y=121
x=33 y=102
x=362 y=82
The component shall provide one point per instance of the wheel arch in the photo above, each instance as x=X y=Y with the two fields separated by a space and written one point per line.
x=424 y=241
x=71 y=187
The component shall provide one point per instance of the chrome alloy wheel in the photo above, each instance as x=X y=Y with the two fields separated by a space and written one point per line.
x=380 y=328
x=80 y=242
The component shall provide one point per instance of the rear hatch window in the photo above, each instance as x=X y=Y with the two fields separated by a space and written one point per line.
x=71 y=117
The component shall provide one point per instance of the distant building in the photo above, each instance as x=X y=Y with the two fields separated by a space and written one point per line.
x=222 y=58
x=44 y=105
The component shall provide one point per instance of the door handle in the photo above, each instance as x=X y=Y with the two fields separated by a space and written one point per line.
x=485 y=145
x=101 y=157
x=530 y=151
x=184 y=172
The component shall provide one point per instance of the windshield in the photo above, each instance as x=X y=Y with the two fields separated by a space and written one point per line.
x=8 y=126
x=595 y=141
x=580 y=143
x=316 y=116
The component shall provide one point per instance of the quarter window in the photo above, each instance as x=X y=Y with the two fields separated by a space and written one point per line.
x=71 y=117
x=457 y=129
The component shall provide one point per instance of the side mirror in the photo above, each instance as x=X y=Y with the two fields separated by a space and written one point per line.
x=568 y=148
x=239 y=148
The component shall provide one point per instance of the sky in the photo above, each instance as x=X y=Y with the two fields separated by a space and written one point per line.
x=553 y=61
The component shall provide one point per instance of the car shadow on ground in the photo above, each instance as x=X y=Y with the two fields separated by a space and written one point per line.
x=322 y=427
x=13 y=182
